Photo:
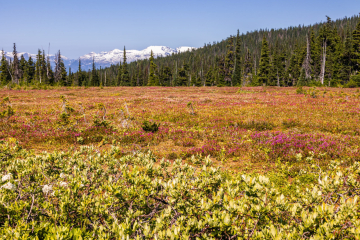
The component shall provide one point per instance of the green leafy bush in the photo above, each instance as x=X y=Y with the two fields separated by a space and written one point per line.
x=98 y=122
x=355 y=79
x=300 y=90
x=85 y=194
x=9 y=111
x=150 y=127
x=290 y=123
x=351 y=84
x=258 y=125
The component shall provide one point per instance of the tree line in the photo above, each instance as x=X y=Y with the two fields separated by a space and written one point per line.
x=325 y=54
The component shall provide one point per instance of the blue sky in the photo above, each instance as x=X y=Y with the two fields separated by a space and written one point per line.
x=78 y=27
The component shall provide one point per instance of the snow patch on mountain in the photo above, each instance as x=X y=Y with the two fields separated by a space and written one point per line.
x=105 y=59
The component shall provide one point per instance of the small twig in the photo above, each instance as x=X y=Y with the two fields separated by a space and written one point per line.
x=32 y=204
x=253 y=230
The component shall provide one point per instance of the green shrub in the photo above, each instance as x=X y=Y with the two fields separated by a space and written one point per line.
x=258 y=125
x=290 y=123
x=355 y=79
x=85 y=194
x=64 y=118
x=351 y=84
x=150 y=127
x=300 y=90
x=98 y=122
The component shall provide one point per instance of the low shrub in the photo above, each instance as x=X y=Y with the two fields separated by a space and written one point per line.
x=85 y=194
x=150 y=127
x=258 y=125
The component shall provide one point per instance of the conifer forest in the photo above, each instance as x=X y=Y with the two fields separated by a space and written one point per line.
x=253 y=137
x=324 y=54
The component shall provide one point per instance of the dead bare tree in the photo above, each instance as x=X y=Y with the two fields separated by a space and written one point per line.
x=57 y=72
x=323 y=61
x=105 y=79
x=48 y=63
x=307 y=61
x=8 y=68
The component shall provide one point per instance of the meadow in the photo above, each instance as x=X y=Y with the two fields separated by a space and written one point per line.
x=248 y=128
x=215 y=163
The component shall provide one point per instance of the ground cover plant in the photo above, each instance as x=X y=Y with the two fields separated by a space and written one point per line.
x=238 y=163
x=87 y=194
x=256 y=126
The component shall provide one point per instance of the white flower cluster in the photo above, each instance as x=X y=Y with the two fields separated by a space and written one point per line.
x=63 y=184
x=62 y=175
x=47 y=188
x=6 y=177
x=9 y=186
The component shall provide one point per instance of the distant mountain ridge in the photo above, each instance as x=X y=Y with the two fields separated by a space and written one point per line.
x=105 y=59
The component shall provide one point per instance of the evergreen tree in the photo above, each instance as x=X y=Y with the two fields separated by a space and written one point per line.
x=247 y=67
x=15 y=67
x=119 y=75
x=22 y=68
x=209 y=79
x=153 y=79
x=31 y=70
x=125 y=71
x=81 y=77
x=264 y=66
x=237 y=65
x=221 y=72
x=44 y=69
x=346 y=58
x=133 y=78
x=229 y=62
x=60 y=71
x=183 y=78
x=293 y=71
x=140 y=77
x=50 y=80
x=167 y=76
x=38 y=67
x=356 y=48
x=315 y=55
x=279 y=65
x=94 y=80
x=70 y=79
x=5 y=76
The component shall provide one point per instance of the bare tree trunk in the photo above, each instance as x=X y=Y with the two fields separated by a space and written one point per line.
x=307 y=62
x=255 y=65
x=8 y=68
x=278 y=80
x=322 y=73
x=48 y=63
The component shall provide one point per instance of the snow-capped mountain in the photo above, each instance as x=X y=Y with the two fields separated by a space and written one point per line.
x=105 y=59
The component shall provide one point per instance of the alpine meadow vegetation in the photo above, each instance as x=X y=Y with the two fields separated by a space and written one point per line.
x=180 y=163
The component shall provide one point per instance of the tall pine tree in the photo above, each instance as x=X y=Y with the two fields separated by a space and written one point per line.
x=229 y=62
x=15 y=67
x=95 y=80
x=153 y=79
x=264 y=66
x=125 y=72
x=5 y=76
x=237 y=65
